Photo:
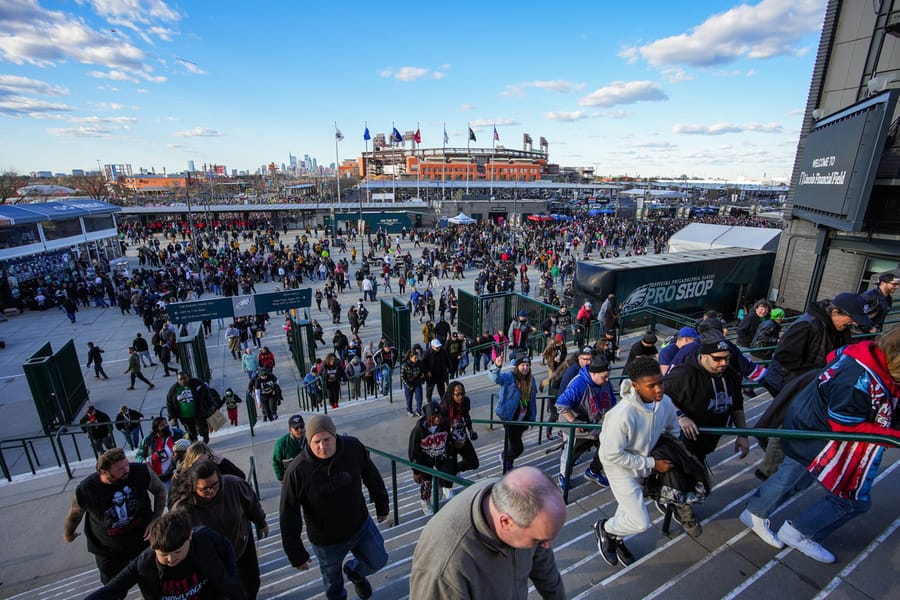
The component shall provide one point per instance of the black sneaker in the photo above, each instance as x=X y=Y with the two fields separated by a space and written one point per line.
x=625 y=556
x=606 y=544
x=361 y=584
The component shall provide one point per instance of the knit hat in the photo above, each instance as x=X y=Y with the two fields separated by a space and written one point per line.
x=523 y=313
x=649 y=338
x=181 y=445
x=598 y=365
x=319 y=424
x=713 y=341
x=777 y=313
x=559 y=338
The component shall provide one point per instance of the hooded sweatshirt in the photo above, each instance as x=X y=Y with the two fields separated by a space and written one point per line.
x=630 y=431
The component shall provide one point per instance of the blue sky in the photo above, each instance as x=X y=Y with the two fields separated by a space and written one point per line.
x=706 y=89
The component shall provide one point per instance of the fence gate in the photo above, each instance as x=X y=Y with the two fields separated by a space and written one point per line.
x=395 y=318
x=57 y=385
x=301 y=341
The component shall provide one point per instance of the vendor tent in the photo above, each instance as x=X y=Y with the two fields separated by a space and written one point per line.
x=704 y=236
x=462 y=219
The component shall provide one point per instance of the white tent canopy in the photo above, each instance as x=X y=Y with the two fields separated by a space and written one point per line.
x=703 y=236
x=462 y=219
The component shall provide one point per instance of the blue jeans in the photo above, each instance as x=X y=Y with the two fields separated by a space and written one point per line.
x=410 y=392
x=819 y=520
x=369 y=556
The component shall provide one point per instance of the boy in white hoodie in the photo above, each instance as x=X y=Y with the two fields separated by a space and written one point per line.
x=630 y=431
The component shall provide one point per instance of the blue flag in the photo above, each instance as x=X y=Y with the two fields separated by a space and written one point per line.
x=395 y=136
x=366 y=135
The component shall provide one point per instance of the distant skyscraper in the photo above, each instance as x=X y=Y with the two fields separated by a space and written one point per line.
x=190 y=166
x=293 y=161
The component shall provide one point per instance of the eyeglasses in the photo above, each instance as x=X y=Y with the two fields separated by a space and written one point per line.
x=211 y=488
x=458 y=393
x=720 y=359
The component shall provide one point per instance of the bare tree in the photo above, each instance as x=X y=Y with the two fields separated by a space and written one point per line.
x=9 y=183
x=92 y=185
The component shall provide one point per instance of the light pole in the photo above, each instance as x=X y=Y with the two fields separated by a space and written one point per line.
x=193 y=233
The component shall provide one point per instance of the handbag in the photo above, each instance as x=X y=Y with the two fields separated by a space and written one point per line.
x=216 y=421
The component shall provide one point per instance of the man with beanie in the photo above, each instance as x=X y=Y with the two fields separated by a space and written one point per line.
x=646 y=346
x=706 y=390
x=325 y=481
x=585 y=400
x=519 y=331
x=288 y=446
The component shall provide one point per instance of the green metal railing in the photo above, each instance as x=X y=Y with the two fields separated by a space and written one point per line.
x=436 y=477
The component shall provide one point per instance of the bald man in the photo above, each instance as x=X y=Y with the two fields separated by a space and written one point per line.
x=491 y=539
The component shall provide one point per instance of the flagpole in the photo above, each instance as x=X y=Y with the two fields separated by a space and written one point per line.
x=419 y=166
x=393 y=163
x=493 y=140
x=366 y=165
x=337 y=176
x=468 y=153
x=444 y=166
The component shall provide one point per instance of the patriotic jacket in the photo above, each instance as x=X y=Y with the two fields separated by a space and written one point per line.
x=855 y=393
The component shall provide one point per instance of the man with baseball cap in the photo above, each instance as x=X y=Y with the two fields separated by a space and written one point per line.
x=288 y=446
x=880 y=298
x=325 y=483
x=685 y=336
x=805 y=346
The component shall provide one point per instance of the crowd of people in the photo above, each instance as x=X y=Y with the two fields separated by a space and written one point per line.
x=651 y=445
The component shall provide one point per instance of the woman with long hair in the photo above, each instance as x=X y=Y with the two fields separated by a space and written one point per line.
x=518 y=393
x=456 y=406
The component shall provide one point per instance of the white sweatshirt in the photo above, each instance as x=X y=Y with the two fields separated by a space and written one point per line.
x=630 y=431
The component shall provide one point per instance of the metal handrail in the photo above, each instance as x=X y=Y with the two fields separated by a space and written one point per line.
x=435 y=476
x=883 y=440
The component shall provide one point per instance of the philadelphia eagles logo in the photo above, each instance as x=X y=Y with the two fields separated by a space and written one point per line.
x=637 y=298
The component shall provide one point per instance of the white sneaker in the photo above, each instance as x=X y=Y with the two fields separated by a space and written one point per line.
x=427 y=508
x=760 y=527
x=796 y=540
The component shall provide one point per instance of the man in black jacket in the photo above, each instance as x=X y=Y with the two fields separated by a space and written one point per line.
x=436 y=366
x=706 y=391
x=746 y=329
x=325 y=481
x=179 y=561
x=188 y=401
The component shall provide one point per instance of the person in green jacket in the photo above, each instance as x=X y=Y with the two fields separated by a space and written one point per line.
x=288 y=446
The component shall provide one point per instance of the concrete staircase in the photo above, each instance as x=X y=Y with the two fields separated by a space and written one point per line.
x=727 y=561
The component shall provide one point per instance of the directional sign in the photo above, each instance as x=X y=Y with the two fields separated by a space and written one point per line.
x=199 y=310
x=238 y=306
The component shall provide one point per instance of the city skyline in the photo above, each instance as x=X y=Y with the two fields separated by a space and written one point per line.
x=706 y=89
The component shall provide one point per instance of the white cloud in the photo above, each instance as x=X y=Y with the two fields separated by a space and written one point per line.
x=21 y=106
x=404 y=73
x=653 y=145
x=624 y=92
x=770 y=28
x=198 y=132
x=191 y=66
x=465 y=107
x=629 y=54
x=93 y=132
x=556 y=85
x=10 y=84
x=106 y=120
x=113 y=74
x=676 y=75
x=574 y=115
x=479 y=123
x=37 y=36
x=723 y=128
x=175 y=146
x=140 y=11
x=142 y=91
x=438 y=75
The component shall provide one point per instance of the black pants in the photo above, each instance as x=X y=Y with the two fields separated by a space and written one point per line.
x=469 y=457
x=110 y=565
x=139 y=375
x=429 y=390
x=195 y=425
x=248 y=570
x=269 y=403
x=514 y=446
